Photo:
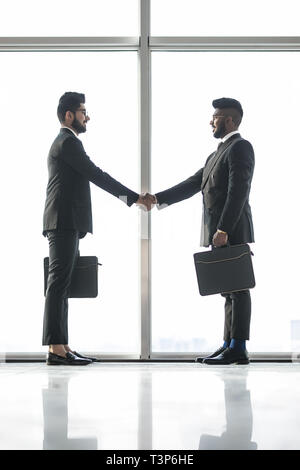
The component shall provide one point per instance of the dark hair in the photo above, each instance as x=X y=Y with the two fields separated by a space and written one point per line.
x=233 y=108
x=69 y=101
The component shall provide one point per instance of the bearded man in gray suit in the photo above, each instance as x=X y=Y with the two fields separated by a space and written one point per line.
x=225 y=182
x=68 y=218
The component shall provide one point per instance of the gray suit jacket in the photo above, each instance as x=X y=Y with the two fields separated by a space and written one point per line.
x=68 y=199
x=225 y=182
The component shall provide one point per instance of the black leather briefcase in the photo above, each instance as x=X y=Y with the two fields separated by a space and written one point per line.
x=225 y=269
x=84 y=279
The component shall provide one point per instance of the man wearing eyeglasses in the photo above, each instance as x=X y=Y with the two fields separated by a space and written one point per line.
x=225 y=182
x=67 y=219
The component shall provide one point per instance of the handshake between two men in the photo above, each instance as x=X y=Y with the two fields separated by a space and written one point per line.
x=146 y=201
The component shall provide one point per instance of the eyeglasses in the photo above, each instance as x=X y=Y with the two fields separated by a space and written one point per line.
x=84 y=111
x=215 y=117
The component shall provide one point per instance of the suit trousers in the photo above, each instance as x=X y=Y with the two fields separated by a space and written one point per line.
x=63 y=251
x=237 y=315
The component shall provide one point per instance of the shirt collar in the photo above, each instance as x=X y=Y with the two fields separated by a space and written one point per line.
x=66 y=127
x=227 y=136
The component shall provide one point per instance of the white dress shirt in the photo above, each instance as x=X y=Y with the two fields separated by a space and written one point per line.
x=227 y=136
x=66 y=127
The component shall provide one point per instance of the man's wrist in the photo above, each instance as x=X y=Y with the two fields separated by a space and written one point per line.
x=221 y=231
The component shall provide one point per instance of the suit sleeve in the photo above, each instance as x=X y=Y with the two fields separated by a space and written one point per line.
x=181 y=191
x=241 y=167
x=74 y=155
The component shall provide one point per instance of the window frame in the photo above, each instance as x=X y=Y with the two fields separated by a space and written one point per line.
x=144 y=45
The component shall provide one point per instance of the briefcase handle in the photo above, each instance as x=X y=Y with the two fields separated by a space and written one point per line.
x=224 y=260
x=227 y=245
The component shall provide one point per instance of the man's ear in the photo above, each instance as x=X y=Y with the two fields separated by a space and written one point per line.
x=229 y=122
x=69 y=116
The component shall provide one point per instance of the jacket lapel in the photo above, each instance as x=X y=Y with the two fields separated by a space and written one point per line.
x=215 y=158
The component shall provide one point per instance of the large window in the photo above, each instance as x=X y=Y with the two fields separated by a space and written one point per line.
x=31 y=85
x=184 y=86
x=69 y=18
x=230 y=18
x=148 y=93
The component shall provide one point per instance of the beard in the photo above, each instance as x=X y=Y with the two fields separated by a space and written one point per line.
x=79 y=128
x=221 y=131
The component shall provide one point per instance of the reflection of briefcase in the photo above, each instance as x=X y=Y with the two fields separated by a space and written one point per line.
x=227 y=441
x=84 y=278
x=224 y=269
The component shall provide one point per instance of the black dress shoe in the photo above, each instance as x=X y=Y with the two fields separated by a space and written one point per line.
x=69 y=360
x=229 y=356
x=93 y=359
x=214 y=354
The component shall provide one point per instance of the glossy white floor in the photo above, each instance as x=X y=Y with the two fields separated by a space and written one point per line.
x=150 y=406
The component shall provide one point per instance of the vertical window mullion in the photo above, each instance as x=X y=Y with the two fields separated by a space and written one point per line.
x=145 y=145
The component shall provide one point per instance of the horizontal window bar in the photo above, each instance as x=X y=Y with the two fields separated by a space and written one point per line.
x=159 y=356
x=68 y=43
x=39 y=356
x=258 y=356
x=225 y=43
x=155 y=43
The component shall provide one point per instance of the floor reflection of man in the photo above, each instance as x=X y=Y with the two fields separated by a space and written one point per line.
x=239 y=418
x=56 y=418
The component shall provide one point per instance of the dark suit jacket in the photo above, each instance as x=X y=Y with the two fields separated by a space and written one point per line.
x=225 y=183
x=68 y=199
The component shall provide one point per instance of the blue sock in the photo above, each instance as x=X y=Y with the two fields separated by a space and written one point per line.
x=226 y=344
x=238 y=344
